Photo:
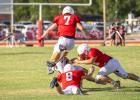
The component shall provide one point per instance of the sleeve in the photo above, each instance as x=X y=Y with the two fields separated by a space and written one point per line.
x=91 y=54
x=55 y=20
x=77 y=19
x=82 y=73
x=59 y=78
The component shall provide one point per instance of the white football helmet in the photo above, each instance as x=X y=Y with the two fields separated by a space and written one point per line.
x=83 y=48
x=68 y=67
x=61 y=64
x=68 y=9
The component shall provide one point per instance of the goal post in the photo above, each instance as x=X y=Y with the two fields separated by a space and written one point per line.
x=89 y=3
x=41 y=43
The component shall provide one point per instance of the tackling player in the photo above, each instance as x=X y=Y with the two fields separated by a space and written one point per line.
x=106 y=63
x=66 y=24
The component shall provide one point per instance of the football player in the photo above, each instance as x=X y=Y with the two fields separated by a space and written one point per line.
x=70 y=80
x=66 y=24
x=106 y=63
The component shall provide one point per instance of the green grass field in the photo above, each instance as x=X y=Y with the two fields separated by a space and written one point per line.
x=23 y=75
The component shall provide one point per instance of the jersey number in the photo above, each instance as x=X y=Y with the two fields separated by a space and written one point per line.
x=68 y=76
x=67 y=19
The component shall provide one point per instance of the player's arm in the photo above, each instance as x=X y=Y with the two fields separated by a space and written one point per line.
x=88 y=61
x=91 y=71
x=52 y=27
x=82 y=29
x=89 y=75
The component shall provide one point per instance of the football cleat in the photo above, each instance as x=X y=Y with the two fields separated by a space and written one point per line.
x=54 y=83
x=50 y=64
x=50 y=70
x=117 y=84
x=51 y=67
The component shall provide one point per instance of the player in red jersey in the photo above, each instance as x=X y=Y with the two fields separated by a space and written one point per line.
x=70 y=80
x=122 y=33
x=112 y=33
x=106 y=63
x=66 y=24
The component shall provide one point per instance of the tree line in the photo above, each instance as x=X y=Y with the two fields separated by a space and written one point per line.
x=114 y=9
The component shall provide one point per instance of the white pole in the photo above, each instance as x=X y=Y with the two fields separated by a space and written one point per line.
x=104 y=19
x=12 y=17
x=52 y=4
x=40 y=12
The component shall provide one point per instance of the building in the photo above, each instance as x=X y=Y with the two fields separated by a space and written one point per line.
x=5 y=11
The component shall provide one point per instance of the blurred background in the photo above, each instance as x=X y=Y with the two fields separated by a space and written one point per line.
x=20 y=17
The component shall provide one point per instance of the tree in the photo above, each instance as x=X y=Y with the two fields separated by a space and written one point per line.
x=114 y=8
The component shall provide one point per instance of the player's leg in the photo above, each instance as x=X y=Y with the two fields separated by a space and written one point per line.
x=123 y=39
x=60 y=65
x=103 y=79
x=122 y=73
x=76 y=90
x=72 y=90
x=62 y=46
x=55 y=56
x=113 y=38
x=102 y=76
x=116 y=39
x=61 y=49
x=90 y=74
x=59 y=90
x=54 y=59
x=134 y=77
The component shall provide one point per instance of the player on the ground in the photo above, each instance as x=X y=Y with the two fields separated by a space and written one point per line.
x=70 y=80
x=64 y=61
x=106 y=63
x=66 y=24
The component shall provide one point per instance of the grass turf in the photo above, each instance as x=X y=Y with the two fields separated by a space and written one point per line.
x=23 y=75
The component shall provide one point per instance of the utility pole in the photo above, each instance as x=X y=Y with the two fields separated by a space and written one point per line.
x=12 y=16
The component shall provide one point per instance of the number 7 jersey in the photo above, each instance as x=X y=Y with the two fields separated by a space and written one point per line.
x=66 y=24
x=70 y=78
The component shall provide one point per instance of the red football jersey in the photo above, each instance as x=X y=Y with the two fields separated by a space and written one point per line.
x=113 y=28
x=70 y=78
x=66 y=24
x=122 y=30
x=100 y=58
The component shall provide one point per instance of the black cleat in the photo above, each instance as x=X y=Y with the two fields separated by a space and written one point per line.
x=50 y=70
x=50 y=67
x=117 y=84
x=54 y=83
x=50 y=64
